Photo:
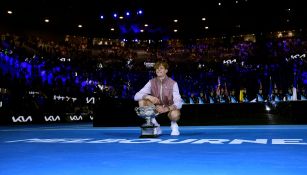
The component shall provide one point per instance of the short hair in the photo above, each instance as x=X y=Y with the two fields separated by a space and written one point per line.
x=159 y=63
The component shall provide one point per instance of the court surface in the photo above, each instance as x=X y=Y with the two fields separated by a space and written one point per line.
x=81 y=149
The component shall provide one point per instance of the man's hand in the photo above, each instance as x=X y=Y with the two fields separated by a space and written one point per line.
x=162 y=109
x=152 y=99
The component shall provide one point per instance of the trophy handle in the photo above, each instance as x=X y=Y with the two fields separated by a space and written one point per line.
x=156 y=113
x=137 y=110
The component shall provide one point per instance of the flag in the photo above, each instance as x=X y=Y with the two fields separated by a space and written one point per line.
x=242 y=95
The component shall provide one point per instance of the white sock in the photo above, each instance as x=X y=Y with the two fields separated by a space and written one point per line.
x=174 y=123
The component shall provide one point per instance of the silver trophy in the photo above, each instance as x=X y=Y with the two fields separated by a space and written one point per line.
x=148 y=129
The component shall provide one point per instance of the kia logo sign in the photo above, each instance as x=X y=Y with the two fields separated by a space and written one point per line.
x=21 y=119
x=52 y=118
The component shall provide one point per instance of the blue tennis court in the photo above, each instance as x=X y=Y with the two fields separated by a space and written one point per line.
x=73 y=149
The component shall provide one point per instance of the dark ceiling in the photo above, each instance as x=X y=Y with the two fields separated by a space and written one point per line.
x=229 y=18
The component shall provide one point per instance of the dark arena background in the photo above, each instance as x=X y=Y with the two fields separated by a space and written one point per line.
x=69 y=71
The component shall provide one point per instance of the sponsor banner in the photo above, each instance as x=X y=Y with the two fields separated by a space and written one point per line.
x=44 y=118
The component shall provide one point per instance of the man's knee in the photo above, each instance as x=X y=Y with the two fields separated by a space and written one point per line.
x=144 y=103
x=174 y=115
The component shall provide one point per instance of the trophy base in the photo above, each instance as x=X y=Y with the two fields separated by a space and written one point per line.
x=149 y=132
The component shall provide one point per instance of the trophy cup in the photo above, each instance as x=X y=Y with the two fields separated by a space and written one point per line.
x=148 y=129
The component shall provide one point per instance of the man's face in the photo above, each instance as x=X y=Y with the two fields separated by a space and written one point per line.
x=161 y=71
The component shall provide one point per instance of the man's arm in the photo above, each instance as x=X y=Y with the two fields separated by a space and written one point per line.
x=146 y=90
x=176 y=98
